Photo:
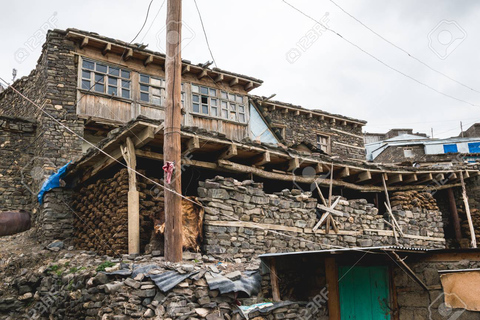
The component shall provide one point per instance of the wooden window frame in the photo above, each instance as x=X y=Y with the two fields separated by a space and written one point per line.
x=106 y=79
x=328 y=145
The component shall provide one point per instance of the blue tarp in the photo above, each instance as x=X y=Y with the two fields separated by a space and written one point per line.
x=52 y=182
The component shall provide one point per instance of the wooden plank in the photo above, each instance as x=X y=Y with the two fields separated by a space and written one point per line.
x=320 y=194
x=406 y=268
x=331 y=210
x=274 y=280
x=253 y=225
x=454 y=215
x=229 y=153
x=347 y=133
x=331 y=274
x=467 y=211
x=348 y=145
x=452 y=256
x=409 y=236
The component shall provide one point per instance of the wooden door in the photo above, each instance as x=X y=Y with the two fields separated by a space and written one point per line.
x=364 y=293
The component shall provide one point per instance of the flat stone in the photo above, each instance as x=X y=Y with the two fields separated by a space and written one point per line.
x=234 y=276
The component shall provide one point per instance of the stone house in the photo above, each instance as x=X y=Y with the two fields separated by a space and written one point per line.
x=279 y=164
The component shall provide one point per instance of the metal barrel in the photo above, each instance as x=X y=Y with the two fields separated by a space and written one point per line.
x=12 y=222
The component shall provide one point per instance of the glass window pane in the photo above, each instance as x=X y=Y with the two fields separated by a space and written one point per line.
x=231 y=97
x=99 y=78
x=156 y=91
x=233 y=107
x=112 y=90
x=204 y=90
x=214 y=111
x=144 y=97
x=88 y=64
x=86 y=84
x=224 y=95
x=241 y=109
x=86 y=74
x=99 y=87
x=112 y=81
x=239 y=99
x=196 y=107
x=224 y=114
x=204 y=109
x=126 y=94
x=126 y=74
x=144 y=78
x=125 y=84
x=241 y=117
x=143 y=88
x=101 y=68
x=233 y=116
x=213 y=102
x=156 y=100
x=204 y=99
x=213 y=92
x=156 y=82
x=114 y=71
x=224 y=105
x=196 y=98
x=194 y=88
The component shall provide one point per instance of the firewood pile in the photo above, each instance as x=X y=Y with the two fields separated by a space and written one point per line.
x=407 y=200
x=101 y=223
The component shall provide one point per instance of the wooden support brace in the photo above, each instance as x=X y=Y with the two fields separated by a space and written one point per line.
x=129 y=54
x=192 y=144
x=395 y=178
x=202 y=74
x=107 y=49
x=293 y=164
x=230 y=152
x=410 y=178
x=233 y=82
x=344 y=172
x=364 y=176
x=274 y=280
x=261 y=159
x=84 y=42
x=248 y=86
x=148 y=60
x=467 y=211
x=219 y=78
x=331 y=275
x=186 y=69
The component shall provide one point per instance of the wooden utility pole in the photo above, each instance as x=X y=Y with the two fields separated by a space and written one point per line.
x=467 y=211
x=172 y=144
x=454 y=215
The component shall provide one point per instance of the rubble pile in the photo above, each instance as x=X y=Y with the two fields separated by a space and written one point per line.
x=407 y=200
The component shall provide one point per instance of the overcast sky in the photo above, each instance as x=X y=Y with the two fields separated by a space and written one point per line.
x=269 y=40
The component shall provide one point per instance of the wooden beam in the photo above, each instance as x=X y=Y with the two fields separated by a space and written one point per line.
x=318 y=168
x=148 y=60
x=467 y=211
x=229 y=153
x=426 y=177
x=395 y=178
x=128 y=152
x=293 y=164
x=129 y=54
x=107 y=48
x=407 y=269
x=310 y=115
x=248 y=86
x=202 y=74
x=342 y=173
x=364 y=176
x=454 y=215
x=186 y=69
x=331 y=275
x=233 y=82
x=219 y=78
x=274 y=280
x=410 y=178
x=261 y=159
x=84 y=42
x=192 y=144
x=297 y=112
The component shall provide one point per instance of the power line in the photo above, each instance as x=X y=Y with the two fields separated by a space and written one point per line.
x=401 y=49
x=205 y=33
x=153 y=21
x=146 y=18
x=379 y=60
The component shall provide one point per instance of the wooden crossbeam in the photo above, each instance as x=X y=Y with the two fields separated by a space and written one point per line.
x=261 y=159
x=233 y=82
x=342 y=173
x=229 y=153
x=219 y=78
x=248 y=86
x=192 y=144
x=395 y=178
x=84 y=42
x=409 y=178
x=293 y=164
x=426 y=177
x=148 y=60
x=129 y=54
x=202 y=74
x=186 y=69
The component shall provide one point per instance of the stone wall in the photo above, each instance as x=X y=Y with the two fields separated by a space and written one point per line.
x=299 y=128
x=396 y=154
x=242 y=221
x=55 y=216
x=16 y=139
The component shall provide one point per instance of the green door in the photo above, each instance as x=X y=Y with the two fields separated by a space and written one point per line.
x=364 y=293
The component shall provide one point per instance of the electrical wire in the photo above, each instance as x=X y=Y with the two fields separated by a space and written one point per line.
x=401 y=49
x=205 y=33
x=379 y=60
x=144 y=22
x=153 y=21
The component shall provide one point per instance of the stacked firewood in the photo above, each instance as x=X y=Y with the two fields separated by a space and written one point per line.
x=407 y=200
x=101 y=223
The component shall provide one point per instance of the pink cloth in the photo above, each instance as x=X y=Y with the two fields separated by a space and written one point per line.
x=168 y=167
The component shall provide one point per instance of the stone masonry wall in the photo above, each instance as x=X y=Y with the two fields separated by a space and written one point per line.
x=16 y=138
x=299 y=128
x=242 y=221
x=55 y=216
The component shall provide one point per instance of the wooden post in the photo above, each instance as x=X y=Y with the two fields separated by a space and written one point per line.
x=467 y=211
x=454 y=214
x=274 y=280
x=128 y=152
x=172 y=143
x=331 y=186
x=331 y=273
